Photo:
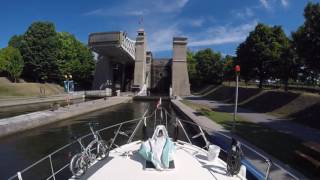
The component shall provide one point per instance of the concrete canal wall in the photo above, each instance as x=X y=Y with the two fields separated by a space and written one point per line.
x=28 y=121
x=278 y=170
x=18 y=102
x=203 y=121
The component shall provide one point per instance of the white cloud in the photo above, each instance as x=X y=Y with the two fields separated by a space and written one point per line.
x=138 y=8
x=167 y=6
x=197 y=22
x=182 y=3
x=223 y=35
x=137 y=12
x=269 y=4
x=116 y=12
x=161 y=40
x=96 y=12
x=248 y=12
x=243 y=13
x=285 y=3
x=265 y=3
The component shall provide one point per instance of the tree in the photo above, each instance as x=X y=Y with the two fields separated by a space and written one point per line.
x=16 y=41
x=229 y=63
x=260 y=52
x=192 y=68
x=76 y=59
x=288 y=66
x=209 y=67
x=49 y=55
x=39 y=49
x=306 y=39
x=3 y=61
x=11 y=62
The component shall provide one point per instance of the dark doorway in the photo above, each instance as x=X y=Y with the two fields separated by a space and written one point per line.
x=160 y=77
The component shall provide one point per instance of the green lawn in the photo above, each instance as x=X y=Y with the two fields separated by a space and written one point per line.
x=277 y=144
x=8 y=88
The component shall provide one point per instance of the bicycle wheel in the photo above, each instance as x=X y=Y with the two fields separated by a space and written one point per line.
x=77 y=165
x=102 y=150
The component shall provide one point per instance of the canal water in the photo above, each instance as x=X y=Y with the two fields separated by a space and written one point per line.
x=21 y=150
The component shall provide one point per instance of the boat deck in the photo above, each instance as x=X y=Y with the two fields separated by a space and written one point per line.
x=190 y=163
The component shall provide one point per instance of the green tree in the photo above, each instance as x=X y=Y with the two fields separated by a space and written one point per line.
x=76 y=59
x=11 y=62
x=288 y=66
x=209 y=66
x=39 y=49
x=3 y=61
x=192 y=68
x=229 y=63
x=16 y=41
x=306 y=39
x=261 y=51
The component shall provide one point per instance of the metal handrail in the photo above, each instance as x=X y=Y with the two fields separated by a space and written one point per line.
x=266 y=159
x=202 y=127
x=49 y=156
x=119 y=125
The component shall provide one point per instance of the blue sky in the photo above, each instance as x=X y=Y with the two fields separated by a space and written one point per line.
x=217 y=24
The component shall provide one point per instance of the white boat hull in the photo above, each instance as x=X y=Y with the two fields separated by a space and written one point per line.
x=190 y=164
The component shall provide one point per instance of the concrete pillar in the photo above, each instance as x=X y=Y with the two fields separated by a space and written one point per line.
x=180 y=77
x=123 y=75
x=148 y=68
x=140 y=61
x=103 y=77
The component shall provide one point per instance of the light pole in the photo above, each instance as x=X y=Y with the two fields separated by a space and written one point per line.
x=237 y=71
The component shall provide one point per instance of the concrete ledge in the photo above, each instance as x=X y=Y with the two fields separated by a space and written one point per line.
x=28 y=121
x=203 y=121
x=38 y=100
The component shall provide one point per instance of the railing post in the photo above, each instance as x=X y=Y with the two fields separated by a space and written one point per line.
x=19 y=175
x=185 y=133
x=52 y=171
x=204 y=137
x=135 y=130
x=268 y=169
x=115 y=136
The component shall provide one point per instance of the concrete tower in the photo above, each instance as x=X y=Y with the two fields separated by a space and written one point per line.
x=140 y=61
x=180 y=77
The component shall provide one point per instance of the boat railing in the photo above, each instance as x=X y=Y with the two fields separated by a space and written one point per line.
x=52 y=162
x=265 y=159
x=54 y=170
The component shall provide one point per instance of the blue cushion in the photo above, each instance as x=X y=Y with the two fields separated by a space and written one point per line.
x=144 y=152
x=167 y=150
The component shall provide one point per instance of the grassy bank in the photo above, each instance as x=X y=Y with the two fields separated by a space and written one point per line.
x=299 y=107
x=8 y=88
x=277 y=144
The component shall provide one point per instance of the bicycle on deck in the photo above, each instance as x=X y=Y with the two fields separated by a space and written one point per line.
x=81 y=161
